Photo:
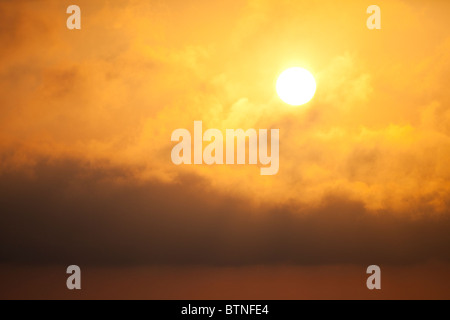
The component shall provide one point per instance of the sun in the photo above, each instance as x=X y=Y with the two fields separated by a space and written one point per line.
x=296 y=86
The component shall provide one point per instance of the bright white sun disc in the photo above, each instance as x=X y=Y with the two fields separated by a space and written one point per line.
x=296 y=86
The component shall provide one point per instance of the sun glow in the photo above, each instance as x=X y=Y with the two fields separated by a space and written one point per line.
x=296 y=86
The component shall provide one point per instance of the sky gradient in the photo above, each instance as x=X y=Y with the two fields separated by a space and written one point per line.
x=86 y=176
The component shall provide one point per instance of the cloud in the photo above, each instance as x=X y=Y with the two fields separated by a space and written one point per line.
x=363 y=167
x=71 y=211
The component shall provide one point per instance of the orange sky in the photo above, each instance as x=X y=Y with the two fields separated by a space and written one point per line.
x=87 y=116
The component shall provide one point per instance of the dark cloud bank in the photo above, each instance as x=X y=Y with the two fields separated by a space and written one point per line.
x=69 y=212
